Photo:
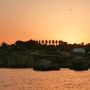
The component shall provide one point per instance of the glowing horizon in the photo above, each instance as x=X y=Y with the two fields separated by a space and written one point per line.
x=66 y=20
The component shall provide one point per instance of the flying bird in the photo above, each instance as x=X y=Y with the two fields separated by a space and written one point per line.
x=70 y=9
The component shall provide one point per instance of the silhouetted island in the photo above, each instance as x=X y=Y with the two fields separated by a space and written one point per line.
x=45 y=55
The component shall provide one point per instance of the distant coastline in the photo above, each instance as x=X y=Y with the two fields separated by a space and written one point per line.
x=45 y=55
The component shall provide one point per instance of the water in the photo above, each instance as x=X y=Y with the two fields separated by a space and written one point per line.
x=27 y=79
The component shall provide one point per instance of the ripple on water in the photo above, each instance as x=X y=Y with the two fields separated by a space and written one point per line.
x=27 y=79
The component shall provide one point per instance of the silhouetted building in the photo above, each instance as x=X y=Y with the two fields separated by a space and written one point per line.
x=79 y=50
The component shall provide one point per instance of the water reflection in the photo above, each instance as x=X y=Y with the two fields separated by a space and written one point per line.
x=27 y=79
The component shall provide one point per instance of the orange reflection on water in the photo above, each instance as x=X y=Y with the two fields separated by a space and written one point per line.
x=27 y=79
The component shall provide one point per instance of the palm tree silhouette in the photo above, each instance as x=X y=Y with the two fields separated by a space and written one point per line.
x=53 y=42
x=49 y=42
x=56 y=42
x=46 y=42
x=42 y=42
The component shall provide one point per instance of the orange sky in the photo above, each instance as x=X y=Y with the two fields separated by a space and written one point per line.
x=67 y=20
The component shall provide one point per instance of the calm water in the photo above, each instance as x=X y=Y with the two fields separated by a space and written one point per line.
x=27 y=79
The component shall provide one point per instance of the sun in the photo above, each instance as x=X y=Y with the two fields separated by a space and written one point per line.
x=72 y=34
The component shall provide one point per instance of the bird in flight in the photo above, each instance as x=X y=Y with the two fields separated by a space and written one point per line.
x=70 y=9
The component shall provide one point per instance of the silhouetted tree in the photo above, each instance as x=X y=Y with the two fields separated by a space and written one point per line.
x=56 y=42
x=46 y=42
x=49 y=42
x=82 y=43
x=19 y=42
x=65 y=43
x=39 y=42
x=4 y=44
x=42 y=42
x=53 y=42
x=59 y=42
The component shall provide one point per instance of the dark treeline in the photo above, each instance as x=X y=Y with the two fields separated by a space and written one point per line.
x=42 y=44
x=22 y=53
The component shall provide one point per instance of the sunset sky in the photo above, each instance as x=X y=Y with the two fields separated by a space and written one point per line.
x=67 y=20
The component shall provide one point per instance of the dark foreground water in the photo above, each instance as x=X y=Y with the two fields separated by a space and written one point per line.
x=27 y=79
